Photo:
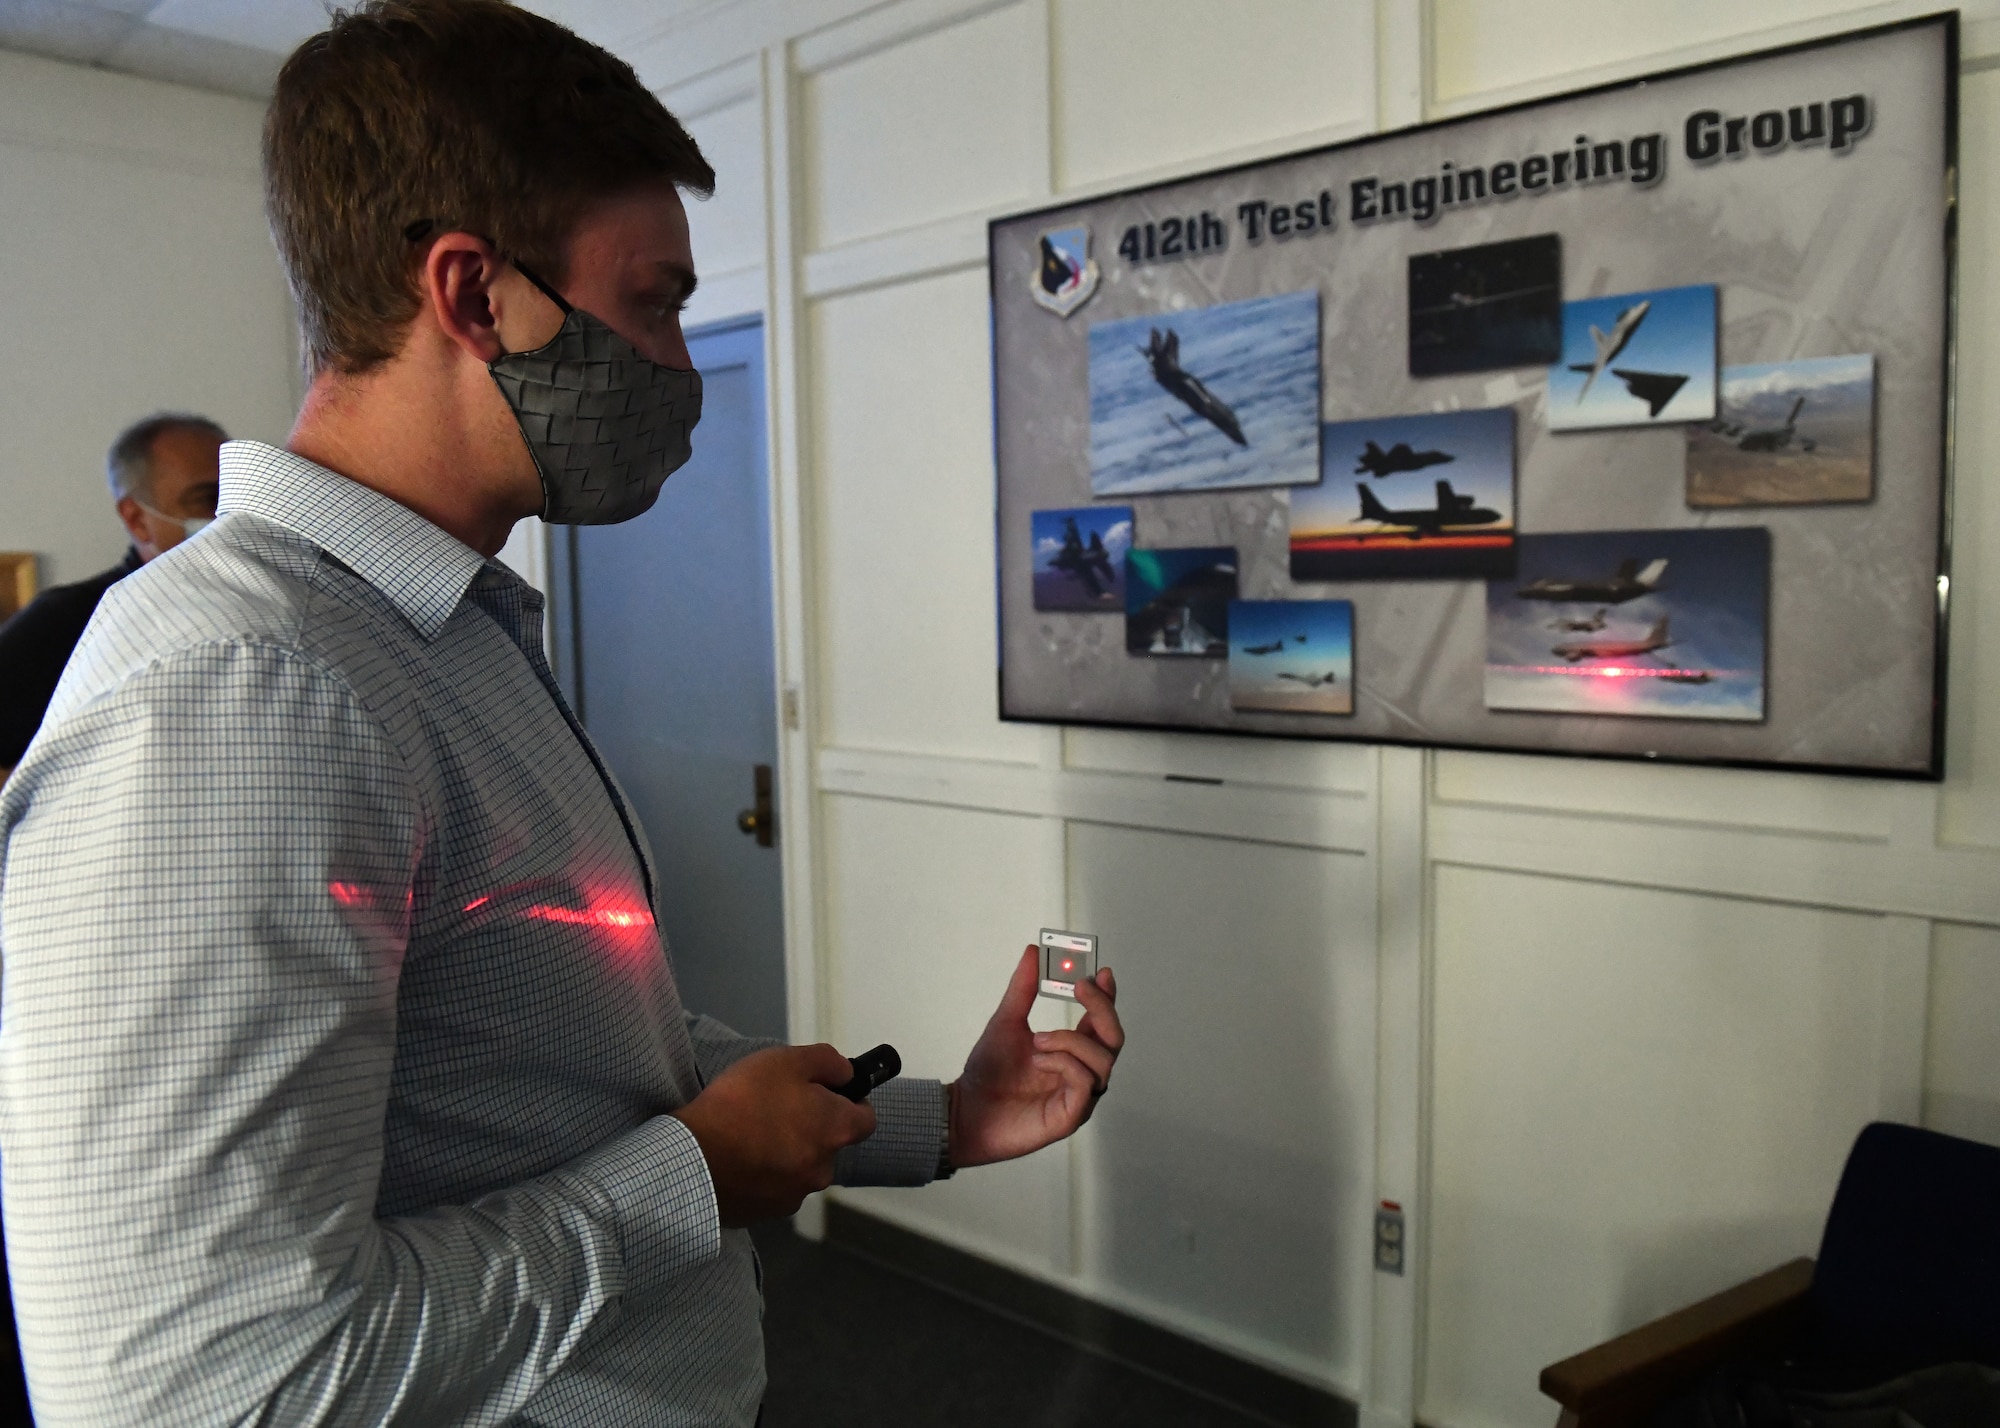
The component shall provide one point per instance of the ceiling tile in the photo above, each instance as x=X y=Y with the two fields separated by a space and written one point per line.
x=197 y=60
x=275 y=25
x=61 y=30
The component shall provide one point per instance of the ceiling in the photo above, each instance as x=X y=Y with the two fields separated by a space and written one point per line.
x=236 y=46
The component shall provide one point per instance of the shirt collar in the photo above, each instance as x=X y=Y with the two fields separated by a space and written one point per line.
x=420 y=568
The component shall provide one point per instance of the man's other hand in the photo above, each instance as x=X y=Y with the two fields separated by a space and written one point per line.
x=1024 y=1089
x=769 y=1127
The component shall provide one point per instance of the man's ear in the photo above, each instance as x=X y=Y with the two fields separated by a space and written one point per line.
x=459 y=275
x=135 y=521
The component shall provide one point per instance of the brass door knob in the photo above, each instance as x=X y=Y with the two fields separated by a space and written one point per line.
x=760 y=821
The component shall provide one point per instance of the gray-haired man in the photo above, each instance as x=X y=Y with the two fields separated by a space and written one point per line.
x=163 y=475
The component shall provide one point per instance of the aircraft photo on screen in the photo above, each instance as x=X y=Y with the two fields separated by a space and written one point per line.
x=1177 y=601
x=1292 y=656
x=1206 y=399
x=1638 y=359
x=1789 y=434
x=1488 y=307
x=1409 y=497
x=1080 y=558
x=1667 y=624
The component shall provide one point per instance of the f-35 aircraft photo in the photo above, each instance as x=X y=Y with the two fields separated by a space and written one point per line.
x=1164 y=353
x=1397 y=459
x=1451 y=510
x=1628 y=584
x=1656 y=638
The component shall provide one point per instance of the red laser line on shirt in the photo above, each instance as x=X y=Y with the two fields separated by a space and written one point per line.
x=591 y=916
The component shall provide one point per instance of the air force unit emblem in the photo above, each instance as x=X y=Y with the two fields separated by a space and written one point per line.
x=1066 y=277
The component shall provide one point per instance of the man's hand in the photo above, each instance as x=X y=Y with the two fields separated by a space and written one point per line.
x=1022 y=1089
x=769 y=1127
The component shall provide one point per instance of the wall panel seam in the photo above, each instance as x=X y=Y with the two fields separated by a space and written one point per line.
x=882 y=28
x=1834 y=893
x=1702 y=52
x=250 y=176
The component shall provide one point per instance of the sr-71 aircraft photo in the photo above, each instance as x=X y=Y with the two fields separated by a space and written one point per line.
x=1655 y=639
x=1398 y=458
x=1164 y=352
x=1452 y=509
x=1769 y=438
x=1628 y=584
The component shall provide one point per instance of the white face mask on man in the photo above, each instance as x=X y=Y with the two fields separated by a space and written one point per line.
x=189 y=525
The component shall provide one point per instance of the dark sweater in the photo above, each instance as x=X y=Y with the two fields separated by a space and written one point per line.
x=35 y=645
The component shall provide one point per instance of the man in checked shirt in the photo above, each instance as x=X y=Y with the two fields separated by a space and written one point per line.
x=343 y=1078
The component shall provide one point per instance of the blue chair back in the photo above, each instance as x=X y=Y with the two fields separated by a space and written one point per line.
x=1909 y=1267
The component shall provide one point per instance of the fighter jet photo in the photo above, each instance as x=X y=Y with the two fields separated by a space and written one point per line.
x=1079 y=557
x=1089 y=563
x=1769 y=438
x=1164 y=353
x=1656 y=638
x=1271 y=648
x=1397 y=459
x=1757 y=451
x=1628 y=584
x=1610 y=344
x=1692 y=647
x=1451 y=510
x=1311 y=681
x=1207 y=398
x=1636 y=359
x=1655 y=389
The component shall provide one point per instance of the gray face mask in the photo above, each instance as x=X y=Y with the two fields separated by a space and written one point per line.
x=605 y=426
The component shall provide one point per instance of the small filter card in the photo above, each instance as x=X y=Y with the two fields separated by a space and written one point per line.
x=1067 y=958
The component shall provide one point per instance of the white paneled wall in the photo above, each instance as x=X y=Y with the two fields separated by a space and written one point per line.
x=901 y=419
x=1232 y=1174
x=108 y=182
x=1141 y=85
x=1637 y=1094
x=960 y=133
x=1604 y=1029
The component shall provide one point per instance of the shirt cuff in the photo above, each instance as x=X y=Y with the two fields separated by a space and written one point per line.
x=657 y=1181
x=911 y=1117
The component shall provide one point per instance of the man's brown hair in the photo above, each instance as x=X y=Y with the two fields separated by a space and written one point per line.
x=459 y=114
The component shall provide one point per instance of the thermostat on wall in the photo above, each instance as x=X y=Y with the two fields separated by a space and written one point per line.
x=1067 y=958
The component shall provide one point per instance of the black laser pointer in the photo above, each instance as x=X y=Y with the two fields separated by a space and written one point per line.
x=871 y=1069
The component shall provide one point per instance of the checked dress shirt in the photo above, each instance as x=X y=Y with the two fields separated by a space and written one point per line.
x=336 y=1035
